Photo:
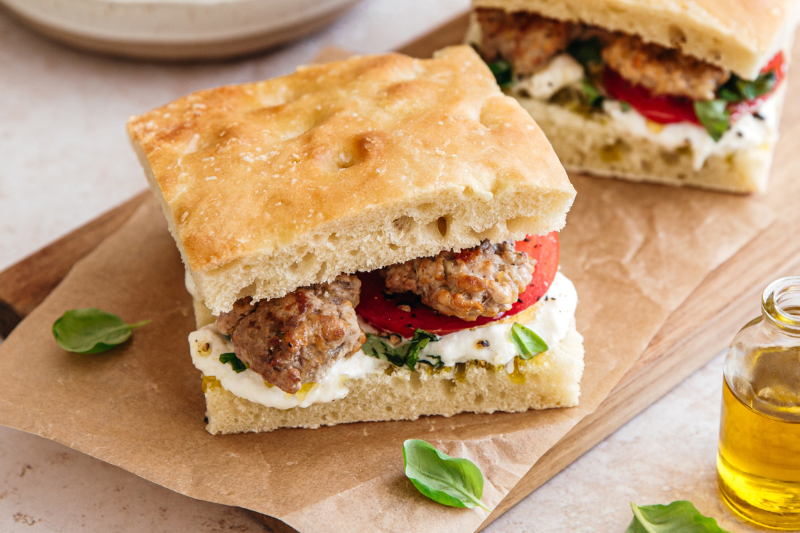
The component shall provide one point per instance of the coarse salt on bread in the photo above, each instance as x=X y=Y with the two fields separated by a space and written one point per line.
x=343 y=167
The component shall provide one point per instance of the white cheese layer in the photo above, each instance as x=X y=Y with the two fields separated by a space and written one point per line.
x=550 y=321
x=748 y=132
x=561 y=72
x=207 y=344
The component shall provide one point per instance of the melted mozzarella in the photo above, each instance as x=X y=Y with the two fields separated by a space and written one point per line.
x=550 y=322
x=207 y=344
x=562 y=71
x=550 y=318
x=748 y=132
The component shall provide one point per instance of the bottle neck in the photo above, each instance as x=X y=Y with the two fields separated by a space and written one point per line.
x=780 y=304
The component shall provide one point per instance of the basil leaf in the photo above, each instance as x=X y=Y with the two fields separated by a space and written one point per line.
x=713 y=114
x=729 y=94
x=587 y=53
x=677 y=517
x=376 y=347
x=593 y=96
x=418 y=342
x=405 y=355
x=236 y=364
x=91 y=330
x=527 y=342
x=751 y=90
x=502 y=71
x=436 y=362
x=447 y=480
x=737 y=89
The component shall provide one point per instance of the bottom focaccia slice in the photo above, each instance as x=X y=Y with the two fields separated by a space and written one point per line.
x=551 y=379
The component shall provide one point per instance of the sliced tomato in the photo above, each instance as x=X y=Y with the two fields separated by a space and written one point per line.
x=661 y=109
x=670 y=109
x=383 y=312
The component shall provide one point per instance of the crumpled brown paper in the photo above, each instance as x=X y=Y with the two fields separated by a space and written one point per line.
x=635 y=252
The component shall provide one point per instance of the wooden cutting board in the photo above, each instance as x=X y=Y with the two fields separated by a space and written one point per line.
x=698 y=330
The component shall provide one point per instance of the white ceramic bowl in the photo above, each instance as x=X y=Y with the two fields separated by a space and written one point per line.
x=176 y=29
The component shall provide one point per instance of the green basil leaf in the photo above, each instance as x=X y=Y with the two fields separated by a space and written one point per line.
x=750 y=90
x=527 y=342
x=593 y=96
x=236 y=364
x=447 y=480
x=405 y=355
x=379 y=349
x=677 y=517
x=729 y=94
x=91 y=330
x=713 y=114
x=738 y=90
x=435 y=361
x=587 y=53
x=502 y=71
x=418 y=342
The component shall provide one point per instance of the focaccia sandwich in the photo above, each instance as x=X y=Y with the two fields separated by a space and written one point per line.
x=682 y=93
x=370 y=239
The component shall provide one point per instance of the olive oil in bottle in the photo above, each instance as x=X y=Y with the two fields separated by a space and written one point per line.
x=758 y=463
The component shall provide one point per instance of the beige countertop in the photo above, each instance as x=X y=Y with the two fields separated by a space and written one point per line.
x=66 y=160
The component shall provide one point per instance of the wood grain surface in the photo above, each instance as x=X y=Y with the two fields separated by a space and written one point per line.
x=699 y=329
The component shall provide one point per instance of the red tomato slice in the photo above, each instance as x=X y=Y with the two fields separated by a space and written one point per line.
x=381 y=311
x=661 y=109
x=671 y=109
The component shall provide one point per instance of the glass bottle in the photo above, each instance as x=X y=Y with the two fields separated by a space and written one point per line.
x=758 y=463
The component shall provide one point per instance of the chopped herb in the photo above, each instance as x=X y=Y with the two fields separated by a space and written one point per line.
x=502 y=71
x=236 y=364
x=593 y=96
x=435 y=362
x=587 y=53
x=405 y=355
x=447 y=480
x=714 y=115
x=738 y=90
x=625 y=106
x=528 y=343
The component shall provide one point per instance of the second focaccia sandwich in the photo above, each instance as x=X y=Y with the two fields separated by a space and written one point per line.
x=369 y=239
x=684 y=93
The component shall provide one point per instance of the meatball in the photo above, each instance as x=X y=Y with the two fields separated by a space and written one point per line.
x=482 y=281
x=663 y=70
x=294 y=340
x=525 y=40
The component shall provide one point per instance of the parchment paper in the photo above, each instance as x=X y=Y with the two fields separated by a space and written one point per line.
x=635 y=252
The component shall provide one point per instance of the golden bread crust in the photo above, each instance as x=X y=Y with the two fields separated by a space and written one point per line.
x=311 y=163
x=551 y=380
x=741 y=35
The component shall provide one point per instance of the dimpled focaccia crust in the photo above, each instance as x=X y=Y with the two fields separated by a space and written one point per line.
x=345 y=167
x=741 y=35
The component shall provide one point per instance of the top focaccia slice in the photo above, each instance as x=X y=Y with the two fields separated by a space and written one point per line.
x=740 y=35
x=343 y=167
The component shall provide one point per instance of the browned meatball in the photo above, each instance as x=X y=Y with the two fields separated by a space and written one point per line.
x=294 y=340
x=482 y=281
x=663 y=70
x=526 y=40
